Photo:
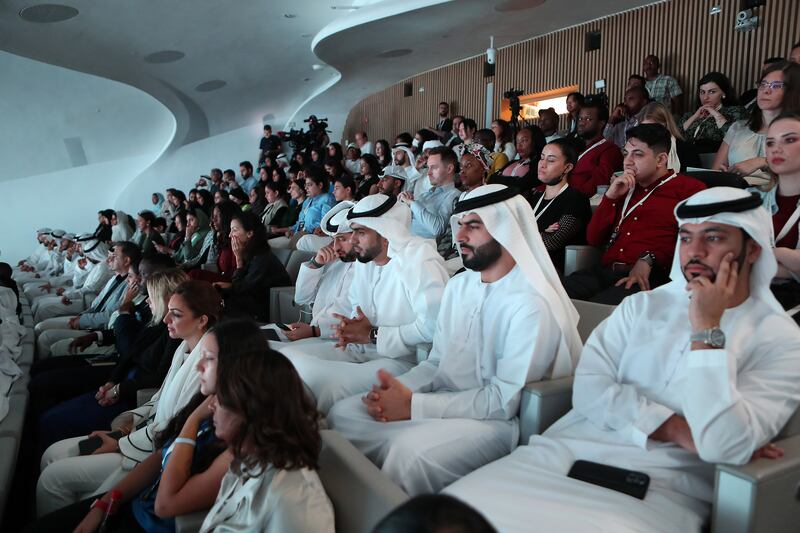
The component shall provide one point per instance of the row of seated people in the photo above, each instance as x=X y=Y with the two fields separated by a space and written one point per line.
x=504 y=322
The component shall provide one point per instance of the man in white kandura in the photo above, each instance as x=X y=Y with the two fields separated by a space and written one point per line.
x=394 y=300
x=503 y=323
x=324 y=281
x=702 y=370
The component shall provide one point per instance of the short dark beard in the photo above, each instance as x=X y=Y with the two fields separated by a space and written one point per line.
x=483 y=256
x=369 y=254
x=739 y=262
x=349 y=257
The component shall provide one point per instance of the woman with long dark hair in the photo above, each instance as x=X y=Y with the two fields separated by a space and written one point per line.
x=257 y=269
x=218 y=250
x=521 y=174
x=276 y=212
x=717 y=110
x=368 y=178
x=383 y=152
x=264 y=414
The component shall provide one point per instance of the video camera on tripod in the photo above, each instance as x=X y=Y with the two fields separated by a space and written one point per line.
x=300 y=140
x=512 y=95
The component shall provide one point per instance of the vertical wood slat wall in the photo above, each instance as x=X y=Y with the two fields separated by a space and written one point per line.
x=689 y=41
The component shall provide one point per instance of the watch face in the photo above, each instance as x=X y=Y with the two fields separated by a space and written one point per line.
x=717 y=337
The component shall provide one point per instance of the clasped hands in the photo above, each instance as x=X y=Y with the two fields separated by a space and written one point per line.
x=352 y=330
x=389 y=400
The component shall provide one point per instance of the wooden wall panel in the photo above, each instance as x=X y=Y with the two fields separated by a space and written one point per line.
x=689 y=41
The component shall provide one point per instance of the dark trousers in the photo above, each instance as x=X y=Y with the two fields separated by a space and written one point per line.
x=597 y=285
x=68 y=518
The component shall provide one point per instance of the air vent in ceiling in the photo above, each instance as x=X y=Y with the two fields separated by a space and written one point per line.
x=397 y=52
x=164 y=56
x=211 y=85
x=48 y=13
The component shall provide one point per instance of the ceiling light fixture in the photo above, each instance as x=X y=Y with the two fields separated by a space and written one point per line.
x=48 y=13
x=211 y=85
x=317 y=66
x=289 y=16
x=346 y=8
x=397 y=52
x=164 y=56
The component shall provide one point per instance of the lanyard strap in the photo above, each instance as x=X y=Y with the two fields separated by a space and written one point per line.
x=536 y=212
x=789 y=223
x=595 y=145
x=626 y=211
x=523 y=163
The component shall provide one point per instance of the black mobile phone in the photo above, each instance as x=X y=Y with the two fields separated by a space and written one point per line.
x=284 y=327
x=628 y=482
x=272 y=335
x=88 y=446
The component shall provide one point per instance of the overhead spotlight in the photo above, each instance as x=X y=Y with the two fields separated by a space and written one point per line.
x=317 y=66
x=289 y=16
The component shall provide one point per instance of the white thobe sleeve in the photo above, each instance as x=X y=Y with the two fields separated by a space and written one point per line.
x=308 y=280
x=532 y=333
x=426 y=296
x=731 y=411
x=597 y=393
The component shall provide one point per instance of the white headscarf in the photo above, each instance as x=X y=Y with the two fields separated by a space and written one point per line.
x=412 y=159
x=755 y=222
x=123 y=230
x=394 y=225
x=673 y=161
x=335 y=220
x=98 y=253
x=511 y=223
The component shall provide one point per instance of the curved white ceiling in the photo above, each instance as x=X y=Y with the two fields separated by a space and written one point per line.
x=265 y=58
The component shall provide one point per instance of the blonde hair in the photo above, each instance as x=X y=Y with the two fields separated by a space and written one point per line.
x=160 y=286
x=658 y=113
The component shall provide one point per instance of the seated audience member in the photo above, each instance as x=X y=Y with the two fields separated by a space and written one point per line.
x=239 y=197
x=486 y=138
x=466 y=131
x=344 y=189
x=196 y=241
x=279 y=175
x=457 y=410
x=96 y=316
x=74 y=396
x=246 y=174
x=453 y=139
x=434 y=513
x=220 y=252
x=661 y=88
x=420 y=138
x=782 y=201
x=601 y=157
x=334 y=152
x=264 y=415
x=121 y=229
x=521 y=173
x=394 y=300
x=368 y=176
x=38 y=258
x=748 y=97
x=317 y=202
x=574 y=103
x=297 y=197
x=504 y=138
x=146 y=236
x=633 y=223
x=626 y=116
x=548 y=122
x=392 y=180
x=173 y=245
x=474 y=168
x=7 y=281
x=742 y=151
x=561 y=212
x=56 y=273
x=430 y=212
x=324 y=281
x=276 y=212
x=681 y=153
x=68 y=477
x=669 y=401
x=257 y=200
x=205 y=201
x=257 y=270
x=404 y=157
x=383 y=152
x=334 y=169
x=90 y=276
x=363 y=143
x=157 y=202
x=221 y=196
x=103 y=230
x=636 y=80
x=189 y=459
x=717 y=110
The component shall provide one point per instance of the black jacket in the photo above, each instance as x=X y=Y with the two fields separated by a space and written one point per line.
x=249 y=293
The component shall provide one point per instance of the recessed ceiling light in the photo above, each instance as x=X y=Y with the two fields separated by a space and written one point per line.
x=517 y=5
x=345 y=8
x=398 y=52
x=47 y=13
x=211 y=85
x=289 y=15
x=164 y=56
x=317 y=66
x=306 y=79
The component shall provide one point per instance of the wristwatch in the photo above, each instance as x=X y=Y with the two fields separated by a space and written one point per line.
x=713 y=337
x=373 y=335
x=649 y=258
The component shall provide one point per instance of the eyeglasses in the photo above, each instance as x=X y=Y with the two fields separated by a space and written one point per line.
x=771 y=85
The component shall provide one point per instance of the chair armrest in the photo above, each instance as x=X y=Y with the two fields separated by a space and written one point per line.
x=282 y=307
x=88 y=298
x=759 y=496
x=190 y=523
x=361 y=494
x=144 y=395
x=542 y=403
x=580 y=257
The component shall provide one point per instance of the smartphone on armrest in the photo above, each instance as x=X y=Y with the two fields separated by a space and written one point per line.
x=627 y=482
